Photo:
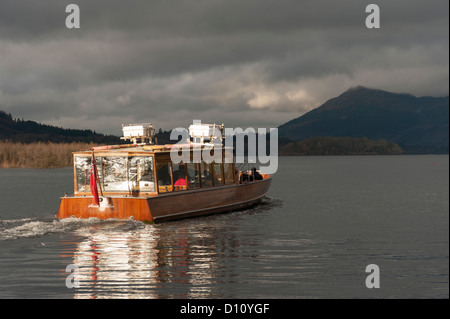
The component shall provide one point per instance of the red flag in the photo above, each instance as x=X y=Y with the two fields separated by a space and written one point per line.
x=93 y=183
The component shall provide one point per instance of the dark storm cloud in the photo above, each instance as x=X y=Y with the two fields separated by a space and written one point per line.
x=252 y=62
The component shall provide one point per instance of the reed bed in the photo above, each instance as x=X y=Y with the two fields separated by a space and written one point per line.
x=39 y=154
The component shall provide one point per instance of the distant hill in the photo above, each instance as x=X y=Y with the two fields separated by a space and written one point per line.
x=416 y=124
x=24 y=131
x=340 y=146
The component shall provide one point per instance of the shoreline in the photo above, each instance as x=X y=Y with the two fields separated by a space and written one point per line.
x=48 y=155
x=39 y=154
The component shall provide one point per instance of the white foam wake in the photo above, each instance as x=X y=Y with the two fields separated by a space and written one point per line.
x=33 y=228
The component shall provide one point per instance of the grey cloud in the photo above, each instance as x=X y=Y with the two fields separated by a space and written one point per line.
x=254 y=60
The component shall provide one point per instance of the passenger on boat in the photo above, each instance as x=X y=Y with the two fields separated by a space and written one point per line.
x=180 y=177
x=245 y=178
x=181 y=182
x=256 y=175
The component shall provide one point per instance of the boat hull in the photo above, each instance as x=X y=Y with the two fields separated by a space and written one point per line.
x=167 y=206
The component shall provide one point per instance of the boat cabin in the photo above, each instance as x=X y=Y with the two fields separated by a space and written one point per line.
x=147 y=170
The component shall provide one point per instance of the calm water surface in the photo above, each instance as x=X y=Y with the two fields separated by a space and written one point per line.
x=325 y=220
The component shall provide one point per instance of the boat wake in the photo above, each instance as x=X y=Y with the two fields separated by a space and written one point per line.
x=33 y=227
x=266 y=204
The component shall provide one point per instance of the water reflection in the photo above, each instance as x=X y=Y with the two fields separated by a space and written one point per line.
x=134 y=260
x=191 y=258
x=112 y=263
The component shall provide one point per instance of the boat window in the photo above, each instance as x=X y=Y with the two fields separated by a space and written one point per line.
x=82 y=172
x=206 y=175
x=141 y=173
x=164 y=173
x=117 y=173
x=228 y=173
x=112 y=172
x=126 y=174
x=218 y=179
x=193 y=170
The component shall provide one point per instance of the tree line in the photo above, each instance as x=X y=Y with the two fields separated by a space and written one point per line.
x=25 y=131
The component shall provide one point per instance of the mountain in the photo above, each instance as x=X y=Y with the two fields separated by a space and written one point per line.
x=16 y=130
x=416 y=124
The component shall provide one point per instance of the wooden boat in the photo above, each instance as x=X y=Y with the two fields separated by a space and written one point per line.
x=140 y=181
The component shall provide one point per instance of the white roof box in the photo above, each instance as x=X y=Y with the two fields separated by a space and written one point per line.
x=201 y=132
x=138 y=131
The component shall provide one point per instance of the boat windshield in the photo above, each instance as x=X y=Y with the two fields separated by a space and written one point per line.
x=116 y=173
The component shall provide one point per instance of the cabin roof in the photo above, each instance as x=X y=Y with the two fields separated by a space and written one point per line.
x=144 y=149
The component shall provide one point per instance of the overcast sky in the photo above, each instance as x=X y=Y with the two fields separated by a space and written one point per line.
x=245 y=63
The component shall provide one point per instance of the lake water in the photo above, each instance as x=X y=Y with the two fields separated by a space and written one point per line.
x=324 y=221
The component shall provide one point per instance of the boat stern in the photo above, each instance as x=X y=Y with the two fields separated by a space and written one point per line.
x=109 y=208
